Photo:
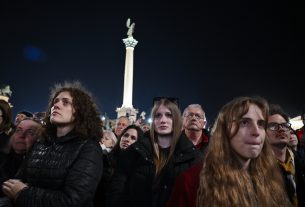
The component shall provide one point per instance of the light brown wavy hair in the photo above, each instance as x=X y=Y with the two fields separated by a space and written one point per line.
x=87 y=116
x=159 y=159
x=223 y=182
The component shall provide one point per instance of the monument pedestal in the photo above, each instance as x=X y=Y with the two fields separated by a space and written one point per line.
x=129 y=112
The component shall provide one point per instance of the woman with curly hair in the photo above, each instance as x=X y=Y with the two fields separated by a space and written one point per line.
x=6 y=126
x=239 y=168
x=65 y=165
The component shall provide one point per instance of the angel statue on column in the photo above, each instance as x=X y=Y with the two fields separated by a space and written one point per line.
x=130 y=28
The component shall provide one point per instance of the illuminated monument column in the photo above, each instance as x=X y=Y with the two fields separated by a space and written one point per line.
x=127 y=108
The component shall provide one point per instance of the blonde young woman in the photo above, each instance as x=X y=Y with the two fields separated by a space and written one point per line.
x=239 y=168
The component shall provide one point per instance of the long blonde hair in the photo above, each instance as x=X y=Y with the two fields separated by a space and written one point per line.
x=222 y=180
x=159 y=159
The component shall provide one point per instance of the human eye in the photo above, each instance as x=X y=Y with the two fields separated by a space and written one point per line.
x=190 y=115
x=261 y=123
x=273 y=126
x=244 y=122
x=29 y=133
x=198 y=116
x=286 y=125
x=134 y=138
x=169 y=115
x=56 y=100
x=66 y=102
x=158 y=115
x=126 y=135
x=18 y=131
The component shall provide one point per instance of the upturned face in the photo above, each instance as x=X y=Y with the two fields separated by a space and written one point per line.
x=62 y=111
x=194 y=119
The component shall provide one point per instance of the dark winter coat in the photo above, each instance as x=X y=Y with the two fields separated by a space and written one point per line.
x=9 y=165
x=63 y=172
x=135 y=183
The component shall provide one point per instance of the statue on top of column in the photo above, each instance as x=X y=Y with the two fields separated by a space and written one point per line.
x=130 y=28
x=5 y=91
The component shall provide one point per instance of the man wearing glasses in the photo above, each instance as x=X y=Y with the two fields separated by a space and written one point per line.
x=278 y=129
x=194 y=122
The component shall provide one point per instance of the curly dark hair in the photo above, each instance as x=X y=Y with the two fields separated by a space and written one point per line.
x=87 y=116
x=6 y=115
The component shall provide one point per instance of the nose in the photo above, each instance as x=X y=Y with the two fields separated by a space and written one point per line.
x=163 y=118
x=127 y=139
x=255 y=129
x=55 y=105
x=282 y=128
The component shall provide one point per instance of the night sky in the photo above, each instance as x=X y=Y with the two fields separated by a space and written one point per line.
x=206 y=54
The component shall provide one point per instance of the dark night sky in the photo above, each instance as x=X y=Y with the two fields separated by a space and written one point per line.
x=206 y=54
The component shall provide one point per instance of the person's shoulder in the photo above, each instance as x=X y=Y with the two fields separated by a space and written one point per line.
x=143 y=142
x=92 y=143
x=192 y=172
x=142 y=147
x=185 y=144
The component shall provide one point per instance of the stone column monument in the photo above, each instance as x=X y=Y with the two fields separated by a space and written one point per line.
x=127 y=107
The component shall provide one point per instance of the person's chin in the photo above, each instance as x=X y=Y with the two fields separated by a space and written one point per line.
x=164 y=134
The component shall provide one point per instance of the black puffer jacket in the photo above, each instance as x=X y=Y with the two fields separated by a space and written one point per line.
x=135 y=183
x=61 y=173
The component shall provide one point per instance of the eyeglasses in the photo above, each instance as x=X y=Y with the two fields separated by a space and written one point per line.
x=276 y=126
x=191 y=115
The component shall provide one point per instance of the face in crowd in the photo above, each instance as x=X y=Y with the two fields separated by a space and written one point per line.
x=278 y=130
x=194 y=119
x=22 y=115
x=146 y=127
x=128 y=138
x=248 y=142
x=107 y=140
x=25 y=135
x=121 y=124
x=293 y=141
x=163 y=121
x=62 y=111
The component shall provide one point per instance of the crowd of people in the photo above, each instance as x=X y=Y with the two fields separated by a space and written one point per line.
x=250 y=157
